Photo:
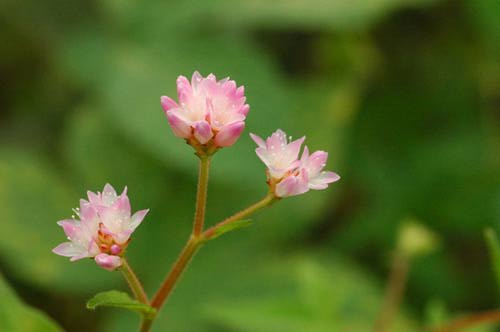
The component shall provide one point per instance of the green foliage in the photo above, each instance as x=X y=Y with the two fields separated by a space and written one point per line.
x=334 y=14
x=122 y=300
x=325 y=295
x=15 y=316
x=403 y=95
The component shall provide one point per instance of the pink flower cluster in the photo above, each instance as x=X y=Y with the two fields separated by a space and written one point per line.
x=210 y=112
x=287 y=174
x=103 y=230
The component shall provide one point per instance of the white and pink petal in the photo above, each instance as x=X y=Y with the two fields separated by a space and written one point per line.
x=108 y=262
x=229 y=134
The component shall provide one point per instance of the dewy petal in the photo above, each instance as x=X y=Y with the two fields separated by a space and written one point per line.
x=137 y=218
x=292 y=186
x=168 y=103
x=87 y=210
x=305 y=155
x=180 y=126
x=258 y=140
x=322 y=180
x=245 y=109
x=240 y=92
x=293 y=148
x=123 y=236
x=315 y=163
x=122 y=204
x=108 y=262
x=93 y=197
x=277 y=139
x=229 y=134
x=184 y=89
x=286 y=186
x=109 y=195
x=70 y=227
x=264 y=155
x=113 y=220
x=202 y=131
x=69 y=249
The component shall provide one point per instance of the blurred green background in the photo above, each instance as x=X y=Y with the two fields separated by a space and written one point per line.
x=404 y=94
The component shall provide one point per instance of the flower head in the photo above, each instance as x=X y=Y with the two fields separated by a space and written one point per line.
x=103 y=229
x=210 y=113
x=287 y=174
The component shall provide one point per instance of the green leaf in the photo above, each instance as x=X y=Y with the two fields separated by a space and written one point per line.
x=18 y=317
x=231 y=227
x=118 y=299
x=494 y=248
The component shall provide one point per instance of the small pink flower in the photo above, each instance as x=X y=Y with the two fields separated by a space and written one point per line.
x=277 y=154
x=287 y=175
x=210 y=113
x=104 y=229
x=313 y=165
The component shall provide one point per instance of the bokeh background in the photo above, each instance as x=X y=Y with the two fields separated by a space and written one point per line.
x=404 y=94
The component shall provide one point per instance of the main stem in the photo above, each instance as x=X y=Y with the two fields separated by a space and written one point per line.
x=201 y=195
x=176 y=271
x=192 y=247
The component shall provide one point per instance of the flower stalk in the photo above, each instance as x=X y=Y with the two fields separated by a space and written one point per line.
x=194 y=243
x=133 y=282
x=266 y=201
x=138 y=291
x=180 y=265
x=201 y=195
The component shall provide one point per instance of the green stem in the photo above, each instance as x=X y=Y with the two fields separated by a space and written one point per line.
x=176 y=271
x=139 y=293
x=192 y=247
x=133 y=282
x=201 y=195
x=146 y=324
x=268 y=200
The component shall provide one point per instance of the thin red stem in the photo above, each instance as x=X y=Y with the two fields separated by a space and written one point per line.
x=176 y=271
x=394 y=292
x=268 y=200
x=467 y=322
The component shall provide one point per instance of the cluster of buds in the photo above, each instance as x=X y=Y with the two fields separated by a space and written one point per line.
x=210 y=114
x=102 y=230
x=287 y=175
